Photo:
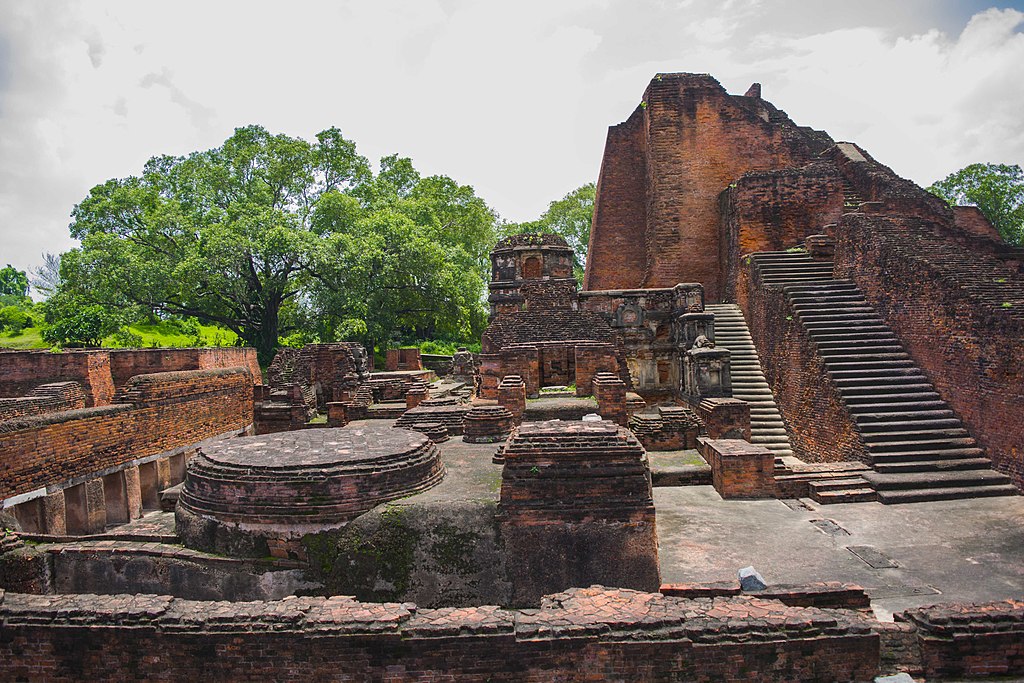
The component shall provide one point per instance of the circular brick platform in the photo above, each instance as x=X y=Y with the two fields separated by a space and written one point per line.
x=258 y=495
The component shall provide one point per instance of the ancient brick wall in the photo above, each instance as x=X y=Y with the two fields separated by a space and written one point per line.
x=617 y=255
x=960 y=313
x=776 y=210
x=697 y=139
x=22 y=371
x=159 y=413
x=820 y=429
x=127 y=363
x=46 y=398
x=583 y=635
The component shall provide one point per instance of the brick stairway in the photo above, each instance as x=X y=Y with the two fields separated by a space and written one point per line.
x=917 y=447
x=748 y=383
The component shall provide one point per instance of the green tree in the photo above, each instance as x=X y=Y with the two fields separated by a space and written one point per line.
x=70 y=322
x=996 y=189
x=13 y=282
x=570 y=217
x=223 y=235
x=402 y=258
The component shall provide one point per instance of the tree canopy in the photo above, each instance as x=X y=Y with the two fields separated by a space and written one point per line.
x=996 y=189
x=267 y=234
x=569 y=217
x=13 y=282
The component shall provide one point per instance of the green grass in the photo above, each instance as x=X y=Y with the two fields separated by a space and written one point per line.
x=160 y=334
x=164 y=334
x=28 y=339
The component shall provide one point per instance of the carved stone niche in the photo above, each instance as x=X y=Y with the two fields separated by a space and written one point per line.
x=693 y=325
x=629 y=315
x=689 y=297
x=706 y=374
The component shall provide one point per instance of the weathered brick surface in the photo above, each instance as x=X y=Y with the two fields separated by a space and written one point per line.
x=160 y=412
x=969 y=641
x=673 y=428
x=46 y=398
x=959 y=310
x=726 y=418
x=776 y=210
x=403 y=359
x=582 y=492
x=22 y=371
x=679 y=150
x=583 y=635
x=127 y=363
x=739 y=469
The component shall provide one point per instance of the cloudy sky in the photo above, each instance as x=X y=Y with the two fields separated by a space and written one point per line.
x=513 y=98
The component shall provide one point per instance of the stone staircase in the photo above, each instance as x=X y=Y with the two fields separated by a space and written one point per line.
x=918 y=449
x=748 y=383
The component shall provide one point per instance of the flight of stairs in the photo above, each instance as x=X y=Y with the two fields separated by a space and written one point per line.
x=917 y=447
x=748 y=383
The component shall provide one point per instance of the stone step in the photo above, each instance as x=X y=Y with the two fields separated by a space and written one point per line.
x=895 y=401
x=865 y=419
x=886 y=388
x=923 y=455
x=923 y=444
x=934 y=480
x=893 y=497
x=908 y=432
x=872 y=427
x=861 y=495
x=933 y=465
x=874 y=373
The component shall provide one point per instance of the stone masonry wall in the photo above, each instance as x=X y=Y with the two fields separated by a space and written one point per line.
x=960 y=313
x=581 y=635
x=159 y=413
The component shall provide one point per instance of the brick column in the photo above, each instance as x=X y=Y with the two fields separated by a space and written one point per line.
x=512 y=396
x=739 y=469
x=133 y=491
x=591 y=359
x=725 y=418
x=415 y=396
x=336 y=414
x=610 y=392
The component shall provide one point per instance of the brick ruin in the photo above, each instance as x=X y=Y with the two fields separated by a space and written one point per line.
x=755 y=292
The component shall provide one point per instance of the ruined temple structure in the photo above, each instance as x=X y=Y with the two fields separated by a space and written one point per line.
x=872 y=322
x=545 y=331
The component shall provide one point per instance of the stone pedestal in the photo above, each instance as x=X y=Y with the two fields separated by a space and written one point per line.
x=725 y=418
x=336 y=415
x=512 y=396
x=487 y=424
x=706 y=374
x=610 y=392
x=739 y=469
x=416 y=395
x=576 y=509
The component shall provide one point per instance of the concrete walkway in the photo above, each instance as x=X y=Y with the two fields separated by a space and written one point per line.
x=945 y=551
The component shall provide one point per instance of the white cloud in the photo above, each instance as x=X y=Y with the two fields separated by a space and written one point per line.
x=513 y=98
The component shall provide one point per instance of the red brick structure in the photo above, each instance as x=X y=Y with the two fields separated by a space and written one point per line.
x=45 y=398
x=487 y=424
x=610 y=392
x=656 y=216
x=672 y=428
x=102 y=372
x=580 y=635
x=512 y=396
x=739 y=469
x=403 y=359
x=582 y=492
x=79 y=470
x=725 y=418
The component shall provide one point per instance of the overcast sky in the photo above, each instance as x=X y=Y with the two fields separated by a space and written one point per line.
x=514 y=98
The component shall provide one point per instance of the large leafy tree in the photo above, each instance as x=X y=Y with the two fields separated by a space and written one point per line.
x=13 y=282
x=569 y=217
x=223 y=235
x=996 y=189
x=402 y=257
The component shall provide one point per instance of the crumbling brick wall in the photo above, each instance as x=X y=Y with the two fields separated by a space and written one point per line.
x=581 y=635
x=959 y=311
x=22 y=371
x=691 y=139
x=155 y=413
x=127 y=363
x=46 y=398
